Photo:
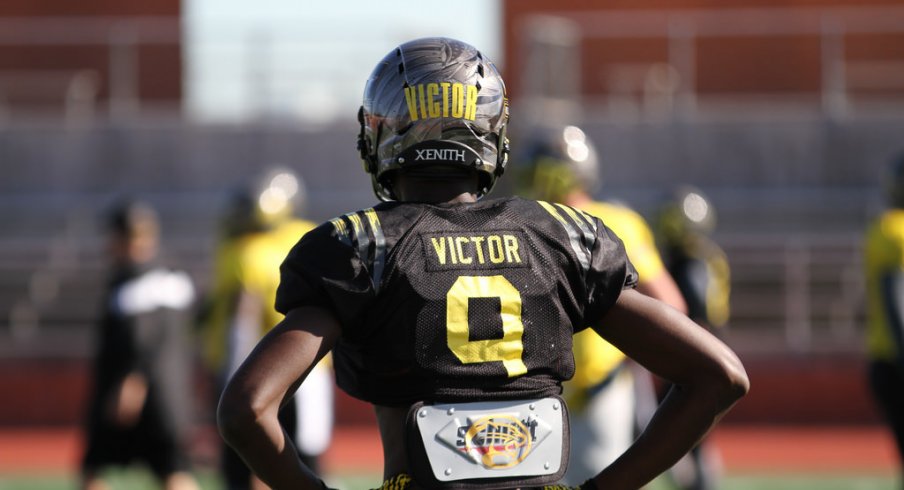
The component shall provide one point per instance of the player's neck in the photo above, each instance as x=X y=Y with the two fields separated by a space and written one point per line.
x=442 y=197
x=452 y=191
x=577 y=199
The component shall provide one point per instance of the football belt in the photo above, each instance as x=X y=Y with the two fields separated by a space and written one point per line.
x=485 y=445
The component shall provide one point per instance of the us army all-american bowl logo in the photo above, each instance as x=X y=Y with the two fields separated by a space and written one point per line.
x=492 y=439
x=498 y=441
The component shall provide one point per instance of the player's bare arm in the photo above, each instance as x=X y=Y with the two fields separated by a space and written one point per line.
x=663 y=288
x=247 y=414
x=708 y=379
x=128 y=400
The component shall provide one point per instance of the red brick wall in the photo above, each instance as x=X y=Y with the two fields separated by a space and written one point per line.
x=806 y=390
x=159 y=64
x=781 y=64
x=55 y=8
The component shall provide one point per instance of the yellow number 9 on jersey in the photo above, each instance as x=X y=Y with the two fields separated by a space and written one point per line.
x=509 y=348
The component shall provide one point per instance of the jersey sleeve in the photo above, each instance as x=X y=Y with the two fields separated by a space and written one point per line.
x=609 y=273
x=324 y=269
x=604 y=269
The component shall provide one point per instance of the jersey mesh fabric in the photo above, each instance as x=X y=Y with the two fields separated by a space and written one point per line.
x=497 y=266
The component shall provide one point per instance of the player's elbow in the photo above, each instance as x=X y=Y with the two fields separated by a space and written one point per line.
x=236 y=416
x=729 y=379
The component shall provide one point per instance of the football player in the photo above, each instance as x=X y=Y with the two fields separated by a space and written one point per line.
x=453 y=315
x=884 y=271
x=140 y=410
x=700 y=267
x=259 y=228
x=609 y=396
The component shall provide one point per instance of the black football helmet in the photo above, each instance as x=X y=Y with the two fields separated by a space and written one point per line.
x=274 y=197
x=557 y=161
x=433 y=103
x=687 y=212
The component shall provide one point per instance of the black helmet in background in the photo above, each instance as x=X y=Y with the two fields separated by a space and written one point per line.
x=557 y=161
x=433 y=104
x=687 y=212
x=272 y=198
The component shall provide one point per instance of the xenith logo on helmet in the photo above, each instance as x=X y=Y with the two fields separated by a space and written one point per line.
x=447 y=154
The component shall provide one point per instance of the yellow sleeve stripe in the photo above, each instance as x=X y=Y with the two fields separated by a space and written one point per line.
x=380 y=247
x=363 y=231
x=360 y=233
x=552 y=210
x=580 y=249
x=588 y=235
x=341 y=230
x=361 y=237
x=588 y=218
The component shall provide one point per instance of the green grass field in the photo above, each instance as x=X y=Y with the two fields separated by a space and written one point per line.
x=140 y=480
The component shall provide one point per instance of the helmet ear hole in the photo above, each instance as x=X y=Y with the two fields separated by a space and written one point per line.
x=502 y=155
x=503 y=147
x=364 y=149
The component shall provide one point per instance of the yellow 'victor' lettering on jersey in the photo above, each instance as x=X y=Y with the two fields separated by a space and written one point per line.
x=477 y=250
x=440 y=246
x=441 y=99
x=458 y=249
x=510 y=243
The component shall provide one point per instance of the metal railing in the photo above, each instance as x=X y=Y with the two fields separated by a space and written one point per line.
x=804 y=291
x=794 y=292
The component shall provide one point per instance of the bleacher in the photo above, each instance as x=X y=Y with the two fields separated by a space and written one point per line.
x=792 y=238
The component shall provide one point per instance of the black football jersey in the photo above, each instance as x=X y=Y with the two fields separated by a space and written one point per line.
x=453 y=303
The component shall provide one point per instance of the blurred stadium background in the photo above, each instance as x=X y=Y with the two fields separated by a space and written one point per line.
x=783 y=111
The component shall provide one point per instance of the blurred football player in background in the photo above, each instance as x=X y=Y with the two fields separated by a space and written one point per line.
x=259 y=228
x=454 y=316
x=884 y=264
x=140 y=409
x=609 y=396
x=700 y=268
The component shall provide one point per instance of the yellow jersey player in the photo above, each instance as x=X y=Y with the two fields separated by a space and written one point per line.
x=884 y=264
x=259 y=230
x=609 y=397
x=453 y=315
